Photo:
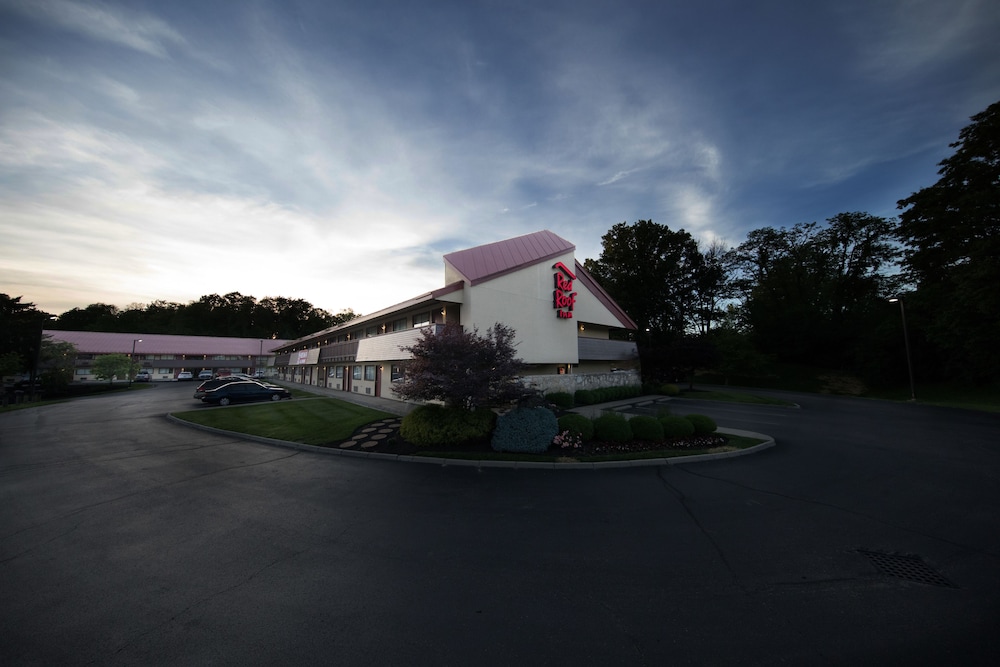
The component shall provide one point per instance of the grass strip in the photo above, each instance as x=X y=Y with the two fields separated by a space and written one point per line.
x=317 y=421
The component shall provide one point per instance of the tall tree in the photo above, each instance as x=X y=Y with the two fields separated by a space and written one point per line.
x=21 y=326
x=807 y=292
x=652 y=272
x=952 y=235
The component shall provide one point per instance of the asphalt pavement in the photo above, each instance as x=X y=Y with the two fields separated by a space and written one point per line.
x=869 y=535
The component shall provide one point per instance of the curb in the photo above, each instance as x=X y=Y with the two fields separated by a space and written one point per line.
x=489 y=463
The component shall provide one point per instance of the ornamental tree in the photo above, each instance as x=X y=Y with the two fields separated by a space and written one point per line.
x=109 y=366
x=462 y=368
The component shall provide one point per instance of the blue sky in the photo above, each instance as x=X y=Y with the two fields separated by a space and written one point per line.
x=333 y=151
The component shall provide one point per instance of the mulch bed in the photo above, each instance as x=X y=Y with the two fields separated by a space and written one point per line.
x=394 y=444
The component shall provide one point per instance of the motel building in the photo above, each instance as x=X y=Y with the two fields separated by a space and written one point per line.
x=569 y=332
x=165 y=357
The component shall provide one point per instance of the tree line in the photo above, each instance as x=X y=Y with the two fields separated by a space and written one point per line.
x=230 y=315
x=819 y=294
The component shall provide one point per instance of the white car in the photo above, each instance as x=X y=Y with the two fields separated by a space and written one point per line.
x=205 y=375
x=185 y=375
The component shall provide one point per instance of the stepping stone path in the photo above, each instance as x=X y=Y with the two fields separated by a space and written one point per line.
x=371 y=435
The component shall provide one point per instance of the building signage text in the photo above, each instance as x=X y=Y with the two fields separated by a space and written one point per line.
x=563 y=297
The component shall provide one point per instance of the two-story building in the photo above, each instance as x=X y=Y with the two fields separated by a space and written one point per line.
x=569 y=331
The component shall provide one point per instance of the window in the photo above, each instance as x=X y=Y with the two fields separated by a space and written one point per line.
x=371 y=332
x=339 y=372
x=396 y=373
x=356 y=373
x=421 y=320
x=369 y=372
x=399 y=325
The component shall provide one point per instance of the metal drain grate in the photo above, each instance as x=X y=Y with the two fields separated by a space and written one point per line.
x=911 y=568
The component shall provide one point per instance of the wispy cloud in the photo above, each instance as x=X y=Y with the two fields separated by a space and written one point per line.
x=132 y=29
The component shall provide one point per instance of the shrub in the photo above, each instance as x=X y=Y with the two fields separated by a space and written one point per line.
x=702 y=424
x=578 y=424
x=434 y=425
x=676 y=427
x=584 y=397
x=612 y=427
x=561 y=399
x=646 y=428
x=528 y=430
x=670 y=390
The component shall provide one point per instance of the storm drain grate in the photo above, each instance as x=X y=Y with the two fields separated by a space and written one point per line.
x=911 y=568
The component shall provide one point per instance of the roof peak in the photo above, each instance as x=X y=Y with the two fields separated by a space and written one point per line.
x=491 y=260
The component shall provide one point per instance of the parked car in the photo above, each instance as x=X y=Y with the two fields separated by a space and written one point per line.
x=205 y=375
x=185 y=375
x=143 y=376
x=245 y=391
x=227 y=374
x=209 y=385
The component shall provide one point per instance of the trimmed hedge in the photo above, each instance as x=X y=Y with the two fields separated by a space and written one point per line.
x=702 y=423
x=528 y=430
x=670 y=390
x=676 y=427
x=646 y=428
x=578 y=424
x=561 y=399
x=434 y=425
x=606 y=394
x=612 y=427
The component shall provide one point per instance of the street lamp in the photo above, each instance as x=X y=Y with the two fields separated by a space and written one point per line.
x=131 y=360
x=906 y=340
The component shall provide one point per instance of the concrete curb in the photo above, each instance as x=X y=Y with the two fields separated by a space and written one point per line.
x=489 y=463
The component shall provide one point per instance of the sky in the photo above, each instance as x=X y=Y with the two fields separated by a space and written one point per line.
x=334 y=151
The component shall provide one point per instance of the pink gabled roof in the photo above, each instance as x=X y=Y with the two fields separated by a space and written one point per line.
x=102 y=342
x=492 y=260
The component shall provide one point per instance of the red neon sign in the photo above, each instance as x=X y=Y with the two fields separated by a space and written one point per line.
x=563 y=297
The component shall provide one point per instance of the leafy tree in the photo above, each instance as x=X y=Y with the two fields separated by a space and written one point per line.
x=807 y=291
x=109 y=366
x=652 y=272
x=95 y=317
x=21 y=326
x=952 y=235
x=462 y=368
x=56 y=364
x=11 y=363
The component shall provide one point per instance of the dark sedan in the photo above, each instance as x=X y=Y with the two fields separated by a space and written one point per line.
x=245 y=391
x=209 y=385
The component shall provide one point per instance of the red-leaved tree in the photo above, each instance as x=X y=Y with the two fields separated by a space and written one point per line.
x=462 y=368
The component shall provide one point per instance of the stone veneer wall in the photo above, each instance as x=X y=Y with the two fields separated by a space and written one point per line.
x=571 y=383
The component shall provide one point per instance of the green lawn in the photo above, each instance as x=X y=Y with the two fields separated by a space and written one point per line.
x=313 y=421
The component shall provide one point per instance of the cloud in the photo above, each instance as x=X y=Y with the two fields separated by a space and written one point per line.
x=134 y=30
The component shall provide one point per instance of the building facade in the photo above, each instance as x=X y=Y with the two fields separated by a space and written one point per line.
x=569 y=332
x=164 y=356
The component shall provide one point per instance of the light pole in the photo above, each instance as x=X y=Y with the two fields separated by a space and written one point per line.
x=906 y=340
x=131 y=360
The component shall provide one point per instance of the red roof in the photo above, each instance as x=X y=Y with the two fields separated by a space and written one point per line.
x=493 y=260
x=101 y=342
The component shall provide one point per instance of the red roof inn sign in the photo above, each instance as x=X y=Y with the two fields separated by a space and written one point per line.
x=563 y=297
